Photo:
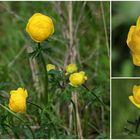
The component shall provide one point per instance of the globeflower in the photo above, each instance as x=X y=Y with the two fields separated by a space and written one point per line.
x=40 y=27
x=77 y=79
x=133 y=42
x=50 y=67
x=17 y=101
x=71 y=68
x=135 y=98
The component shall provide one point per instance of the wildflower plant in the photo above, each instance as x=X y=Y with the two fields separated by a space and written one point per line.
x=133 y=127
x=40 y=110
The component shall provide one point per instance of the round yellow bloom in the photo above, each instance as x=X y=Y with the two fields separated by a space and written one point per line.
x=40 y=27
x=133 y=42
x=17 y=102
x=71 y=68
x=135 y=99
x=77 y=79
x=50 y=67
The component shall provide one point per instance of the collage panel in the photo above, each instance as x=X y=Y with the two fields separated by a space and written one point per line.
x=125 y=49
x=54 y=69
x=125 y=108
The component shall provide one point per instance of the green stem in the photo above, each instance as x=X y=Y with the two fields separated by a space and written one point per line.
x=75 y=117
x=35 y=105
x=94 y=95
x=2 y=106
x=105 y=27
x=47 y=116
x=55 y=130
x=137 y=124
x=45 y=97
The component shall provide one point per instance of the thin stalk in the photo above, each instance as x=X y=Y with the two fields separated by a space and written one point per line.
x=94 y=95
x=55 y=130
x=105 y=27
x=137 y=125
x=86 y=121
x=2 y=106
x=47 y=116
x=75 y=117
x=45 y=97
x=35 y=105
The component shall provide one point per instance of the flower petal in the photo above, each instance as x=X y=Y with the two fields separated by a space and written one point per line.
x=138 y=22
x=136 y=59
x=129 y=37
x=131 y=98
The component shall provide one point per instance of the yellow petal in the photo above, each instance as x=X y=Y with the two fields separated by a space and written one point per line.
x=73 y=85
x=71 y=68
x=85 y=77
x=136 y=59
x=129 y=37
x=135 y=88
x=131 y=98
x=138 y=22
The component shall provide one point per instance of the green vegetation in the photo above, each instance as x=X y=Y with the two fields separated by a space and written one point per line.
x=81 y=35
x=122 y=108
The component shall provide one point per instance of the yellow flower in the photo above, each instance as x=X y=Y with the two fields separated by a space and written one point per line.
x=135 y=98
x=71 y=68
x=17 y=101
x=40 y=27
x=133 y=42
x=77 y=79
x=50 y=67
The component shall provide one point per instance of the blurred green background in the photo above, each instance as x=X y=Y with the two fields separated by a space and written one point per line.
x=122 y=108
x=124 y=14
x=92 y=57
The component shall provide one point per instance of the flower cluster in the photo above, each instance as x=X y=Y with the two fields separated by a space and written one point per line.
x=75 y=78
x=40 y=27
x=133 y=42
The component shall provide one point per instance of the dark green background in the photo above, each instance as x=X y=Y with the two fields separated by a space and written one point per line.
x=124 y=14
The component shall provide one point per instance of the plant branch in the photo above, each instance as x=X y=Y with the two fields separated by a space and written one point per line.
x=45 y=96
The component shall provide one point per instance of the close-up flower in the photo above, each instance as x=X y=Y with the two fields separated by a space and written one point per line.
x=71 y=68
x=133 y=42
x=50 y=67
x=77 y=79
x=135 y=98
x=17 y=101
x=40 y=27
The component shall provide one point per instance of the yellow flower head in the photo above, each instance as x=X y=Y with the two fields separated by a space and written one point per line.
x=71 y=68
x=17 y=101
x=133 y=42
x=50 y=67
x=77 y=79
x=135 y=98
x=40 y=27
